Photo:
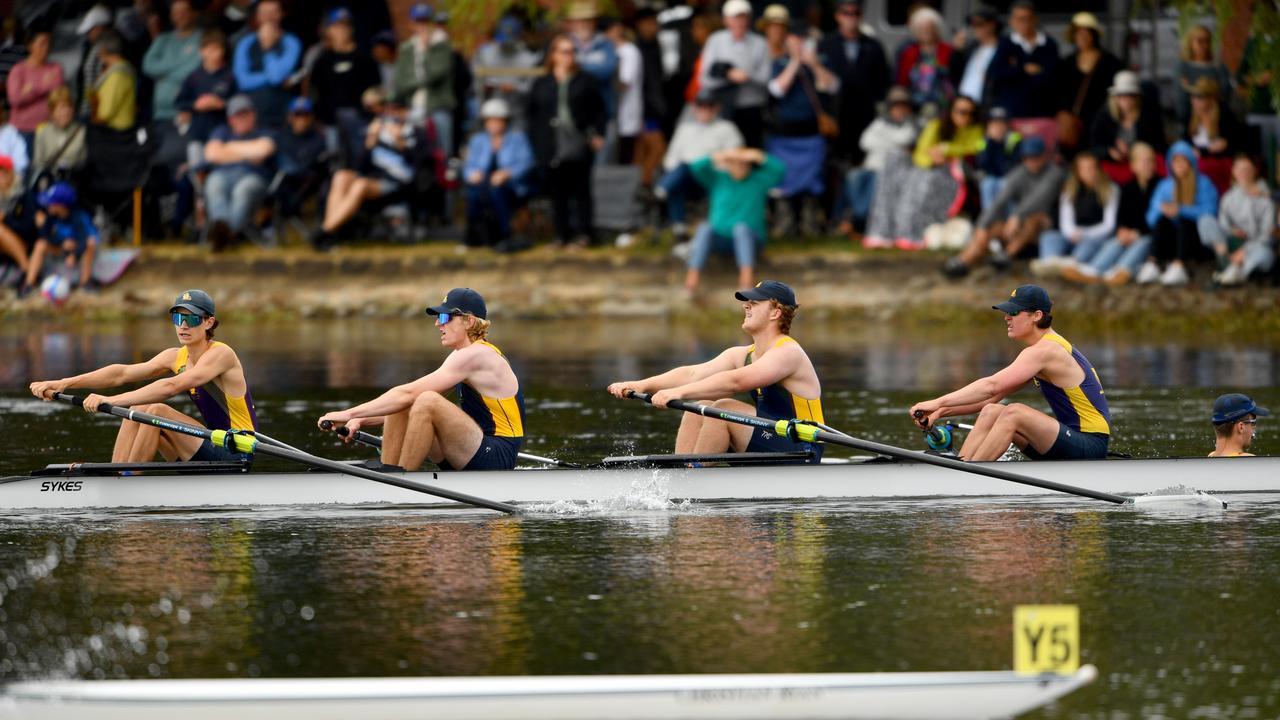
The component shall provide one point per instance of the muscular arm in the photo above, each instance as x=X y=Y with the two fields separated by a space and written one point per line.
x=109 y=376
x=452 y=371
x=683 y=375
x=776 y=365
x=216 y=361
x=993 y=388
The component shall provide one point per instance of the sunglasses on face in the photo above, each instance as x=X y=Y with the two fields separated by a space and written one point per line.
x=188 y=319
x=443 y=319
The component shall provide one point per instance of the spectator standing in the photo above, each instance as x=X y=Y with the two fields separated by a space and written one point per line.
x=497 y=172
x=172 y=57
x=895 y=131
x=12 y=145
x=738 y=183
x=701 y=134
x=383 y=50
x=1123 y=123
x=507 y=50
x=735 y=63
x=1242 y=236
x=973 y=55
x=859 y=63
x=1084 y=78
x=924 y=65
x=114 y=96
x=302 y=159
x=29 y=84
x=339 y=78
x=919 y=189
x=1087 y=212
x=1024 y=66
x=630 y=86
x=59 y=150
x=95 y=24
x=263 y=63
x=566 y=124
x=652 y=144
x=424 y=74
x=1180 y=201
x=1121 y=256
x=999 y=155
x=1021 y=211
x=1199 y=61
x=597 y=55
x=64 y=229
x=241 y=157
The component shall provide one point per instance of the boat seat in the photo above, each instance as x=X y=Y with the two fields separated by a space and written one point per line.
x=763 y=458
x=166 y=468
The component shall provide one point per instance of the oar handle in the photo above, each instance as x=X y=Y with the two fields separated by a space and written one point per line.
x=360 y=436
x=103 y=407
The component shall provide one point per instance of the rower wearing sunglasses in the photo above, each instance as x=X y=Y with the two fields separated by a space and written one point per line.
x=205 y=370
x=421 y=424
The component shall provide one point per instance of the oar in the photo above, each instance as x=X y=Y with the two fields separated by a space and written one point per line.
x=797 y=430
x=246 y=443
x=376 y=441
x=272 y=441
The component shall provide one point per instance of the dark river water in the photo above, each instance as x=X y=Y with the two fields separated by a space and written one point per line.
x=1179 y=609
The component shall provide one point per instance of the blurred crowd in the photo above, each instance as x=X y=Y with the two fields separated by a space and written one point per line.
x=725 y=124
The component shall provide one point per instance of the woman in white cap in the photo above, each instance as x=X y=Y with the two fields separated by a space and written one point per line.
x=1123 y=123
x=735 y=64
x=499 y=163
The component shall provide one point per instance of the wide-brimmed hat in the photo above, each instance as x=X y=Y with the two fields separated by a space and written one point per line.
x=582 y=10
x=495 y=108
x=1084 y=20
x=774 y=15
x=1125 y=83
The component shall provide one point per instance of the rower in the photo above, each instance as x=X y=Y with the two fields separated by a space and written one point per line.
x=1080 y=427
x=1235 y=422
x=774 y=369
x=485 y=433
x=207 y=371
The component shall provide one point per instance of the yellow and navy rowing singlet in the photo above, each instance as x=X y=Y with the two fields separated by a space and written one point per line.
x=777 y=403
x=1083 y=408
x=219 y=411
x=497 y=417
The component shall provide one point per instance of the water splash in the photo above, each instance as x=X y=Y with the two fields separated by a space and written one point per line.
x=645 y=493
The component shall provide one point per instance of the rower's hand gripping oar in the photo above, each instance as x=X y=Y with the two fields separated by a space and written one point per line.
x=375 y=441
x=245 y=442
x=800 y=431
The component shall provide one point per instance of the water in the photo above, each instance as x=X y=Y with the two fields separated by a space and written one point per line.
x=1178 y=609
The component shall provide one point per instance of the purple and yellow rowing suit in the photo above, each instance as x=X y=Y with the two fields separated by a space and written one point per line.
x=219 y=411
x=500 y=419
x=1084 y=419
x=775 y=402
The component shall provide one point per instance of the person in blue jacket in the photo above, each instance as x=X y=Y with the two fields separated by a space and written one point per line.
x=1178 y=204
x=499 y=163
x=64 y=229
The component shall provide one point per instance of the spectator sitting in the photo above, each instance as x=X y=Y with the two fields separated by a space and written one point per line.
x=917 y=190
x=971 y=61
x=1019 y=214
x=12 y=145
x=340 y=76
x=1120 y=257
x=302 y=158
x=1198 y=62
x=172 y=57
x=507 y=51
x=264 y=61
x=115 y=95
x=393 y=146
x=1086 y=218
x=1241 y=236
x=383 y=51
x=859 y=63
x=924 y=65
x=202 y=103
x=60 y=149
x=701 y=134
x=894 y=131
x=241 y=156
x=29 y=84
x=1180 y=201
x=95 y=24
x=497 y=172
x=999 y=155
x=735 y=64
x=424 y=75
x=1123 y=123
x=1024 y=67
x=63 y=229
x=17 y=224
x=1083 y=80
x=738 y=183
x=1235 y=423
x=1212 y=129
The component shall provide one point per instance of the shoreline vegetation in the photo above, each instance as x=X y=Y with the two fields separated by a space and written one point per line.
x=832 y=281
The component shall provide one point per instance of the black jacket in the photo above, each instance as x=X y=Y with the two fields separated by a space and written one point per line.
x=585 y=105
x=1071 y=82
x=1103 y=132
x=863 y=83
x=1134 y=201
x=1023 y=94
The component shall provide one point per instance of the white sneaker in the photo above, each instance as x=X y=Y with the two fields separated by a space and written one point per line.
x=681 y=250
x=1173 y=275
x=1232 y=275
x=1149 y=273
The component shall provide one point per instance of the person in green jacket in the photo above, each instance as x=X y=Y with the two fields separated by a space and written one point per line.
x=424 y=74
x=738 y=183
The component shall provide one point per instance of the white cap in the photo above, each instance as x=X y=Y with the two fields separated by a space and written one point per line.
x=495 y=108
x=736 y=7
x=97 y=15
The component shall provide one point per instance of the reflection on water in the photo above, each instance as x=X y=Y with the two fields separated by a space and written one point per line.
x=1176 y=609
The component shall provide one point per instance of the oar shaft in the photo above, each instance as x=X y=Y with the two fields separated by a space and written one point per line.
x=810 y=434
x=248 y=444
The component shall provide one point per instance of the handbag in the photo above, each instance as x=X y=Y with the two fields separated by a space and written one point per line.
x=571 y=143
x=1070 y=124
x=828 y=127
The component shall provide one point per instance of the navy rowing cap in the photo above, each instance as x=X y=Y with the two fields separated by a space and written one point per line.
x=769 y=290
x=1026 y=297
x=197 y=301
x=1235 y=406
x=461 y=300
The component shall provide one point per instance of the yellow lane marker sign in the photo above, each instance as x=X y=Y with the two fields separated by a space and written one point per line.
x=1046 y=638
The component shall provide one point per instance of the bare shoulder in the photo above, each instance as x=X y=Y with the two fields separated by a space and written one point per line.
x=737 y=355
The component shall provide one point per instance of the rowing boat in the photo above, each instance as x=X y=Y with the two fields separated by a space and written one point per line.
x=617 y=480
x=825 y=695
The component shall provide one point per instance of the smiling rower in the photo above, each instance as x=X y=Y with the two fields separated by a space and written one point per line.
x=206 y=370
x=1081 y=425
x=774 y=369
x=485 y=433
